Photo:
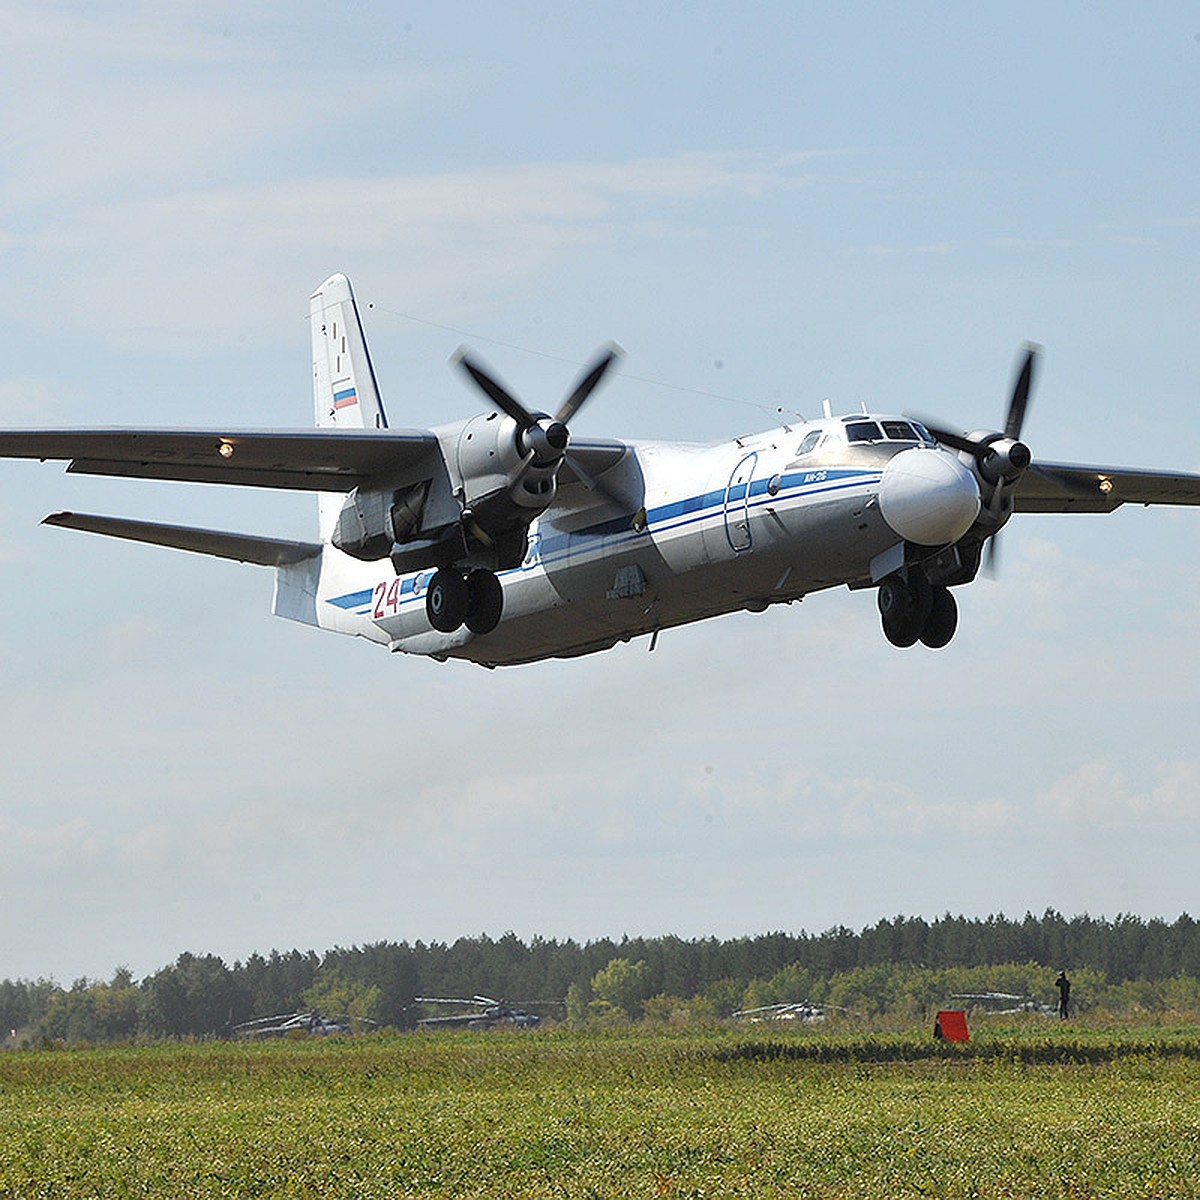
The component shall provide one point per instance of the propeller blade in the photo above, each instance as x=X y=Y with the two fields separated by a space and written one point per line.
x=587 y=384
x=991 y=557
x=1017 y=406
x=499 y=396
x=1020 y=394
x=956 y=441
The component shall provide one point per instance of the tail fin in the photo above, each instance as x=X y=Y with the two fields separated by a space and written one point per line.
x=345 y=394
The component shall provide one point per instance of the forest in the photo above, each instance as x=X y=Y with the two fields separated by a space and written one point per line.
x=904 y=965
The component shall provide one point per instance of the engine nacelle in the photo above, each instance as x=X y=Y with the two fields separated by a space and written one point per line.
x=508 y=476
x=1003 y=461
x=371 y=522
x=998 y=462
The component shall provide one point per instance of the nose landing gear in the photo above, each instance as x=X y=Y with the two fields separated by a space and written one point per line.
x=914 y=611
x=454 y=599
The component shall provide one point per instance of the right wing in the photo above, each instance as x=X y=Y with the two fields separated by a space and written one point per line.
x=319 y=460
x=1074 y=487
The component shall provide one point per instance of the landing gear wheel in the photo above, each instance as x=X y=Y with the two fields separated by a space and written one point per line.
x=894 y=598
x=446 y=600
x=942 y=621
x=901 y=631
x=900 y=610
x=922 y=596
x=485 y=601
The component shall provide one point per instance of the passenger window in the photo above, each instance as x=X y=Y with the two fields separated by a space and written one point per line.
x=810 y=442
x=863 y=431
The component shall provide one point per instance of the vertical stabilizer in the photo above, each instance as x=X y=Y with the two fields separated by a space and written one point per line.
x=345 y=394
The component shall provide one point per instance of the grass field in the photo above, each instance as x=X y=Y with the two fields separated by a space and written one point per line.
x=1039 y=1110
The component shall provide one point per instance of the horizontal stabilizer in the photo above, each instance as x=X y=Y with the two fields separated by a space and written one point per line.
x=265 y=552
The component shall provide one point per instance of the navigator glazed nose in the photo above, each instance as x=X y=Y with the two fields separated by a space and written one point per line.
x=928 y=496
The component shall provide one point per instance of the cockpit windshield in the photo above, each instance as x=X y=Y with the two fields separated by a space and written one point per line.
x=889 y=430
x=863 y=431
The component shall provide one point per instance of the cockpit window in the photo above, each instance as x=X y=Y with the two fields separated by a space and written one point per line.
x=899 y=431
x=863 y=431
x=810 y=442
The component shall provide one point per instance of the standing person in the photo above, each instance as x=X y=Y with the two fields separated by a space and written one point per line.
x=1064 y=995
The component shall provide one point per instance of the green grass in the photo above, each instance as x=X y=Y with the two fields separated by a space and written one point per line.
x=1023 y=1111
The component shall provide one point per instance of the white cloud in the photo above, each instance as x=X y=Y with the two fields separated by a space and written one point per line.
x=796 y=805
x=184 y=269
x=1102 y=794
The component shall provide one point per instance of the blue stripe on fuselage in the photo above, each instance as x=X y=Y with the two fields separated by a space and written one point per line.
x=352 y=599
x=677 y=514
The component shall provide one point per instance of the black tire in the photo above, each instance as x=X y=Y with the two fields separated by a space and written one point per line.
x=898 y=606
x=446 y=600
x=942 y=621
x=895 y=599
x=922 y=596
x=901 y=631
x=485 y=601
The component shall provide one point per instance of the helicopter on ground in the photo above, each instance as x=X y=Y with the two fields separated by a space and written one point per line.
x=485 y=1013
x=1001 y=1004
x=291 y=1025
x=796 y=1010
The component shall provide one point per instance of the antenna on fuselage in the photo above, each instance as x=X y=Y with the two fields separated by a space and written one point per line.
x=828 y=409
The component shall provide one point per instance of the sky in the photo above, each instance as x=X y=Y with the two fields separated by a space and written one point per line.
x=766 y=205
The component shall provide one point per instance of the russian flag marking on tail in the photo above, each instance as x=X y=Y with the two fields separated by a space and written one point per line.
x=346 y=398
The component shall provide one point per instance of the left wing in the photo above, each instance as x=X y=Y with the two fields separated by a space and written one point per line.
x=1072 y=487
x=319 y=460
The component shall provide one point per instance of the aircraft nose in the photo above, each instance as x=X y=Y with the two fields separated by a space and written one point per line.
x=928 y=496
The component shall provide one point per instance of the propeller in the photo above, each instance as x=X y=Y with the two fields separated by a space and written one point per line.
x=544 y=439
x=1012 y=429
x=1001 y=458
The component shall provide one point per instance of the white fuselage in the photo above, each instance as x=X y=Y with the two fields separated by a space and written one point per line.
x=739 y=525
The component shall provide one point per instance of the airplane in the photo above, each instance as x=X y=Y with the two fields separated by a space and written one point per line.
x=504 y=539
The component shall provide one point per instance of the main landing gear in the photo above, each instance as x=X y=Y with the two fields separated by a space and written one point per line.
x=453 y=599
x=913 y=610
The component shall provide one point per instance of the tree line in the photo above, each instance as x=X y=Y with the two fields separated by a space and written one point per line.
x=905 y=964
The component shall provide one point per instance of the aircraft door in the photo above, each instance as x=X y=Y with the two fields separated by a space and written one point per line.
x=737 y=504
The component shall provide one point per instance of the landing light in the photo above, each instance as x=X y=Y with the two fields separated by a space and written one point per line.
x=225 y=449
x=1105 y=485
